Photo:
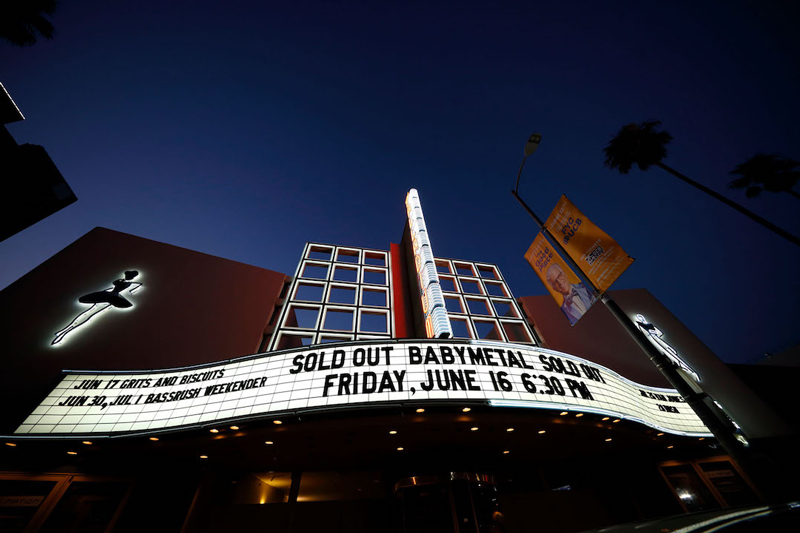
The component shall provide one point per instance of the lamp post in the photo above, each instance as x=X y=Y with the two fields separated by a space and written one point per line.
x=722 y=429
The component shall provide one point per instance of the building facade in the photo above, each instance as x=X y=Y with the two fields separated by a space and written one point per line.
x=149 y=386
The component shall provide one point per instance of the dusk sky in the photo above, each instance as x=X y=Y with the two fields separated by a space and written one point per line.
x=243 y=129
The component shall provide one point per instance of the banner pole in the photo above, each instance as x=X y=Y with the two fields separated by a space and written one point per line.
x=721 y=429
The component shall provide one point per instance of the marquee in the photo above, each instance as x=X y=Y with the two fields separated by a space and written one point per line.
x=347 y=376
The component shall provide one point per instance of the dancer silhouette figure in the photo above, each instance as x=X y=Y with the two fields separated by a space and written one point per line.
x=101 y=301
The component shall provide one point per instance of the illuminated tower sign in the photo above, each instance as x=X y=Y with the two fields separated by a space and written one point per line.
x=437 y=324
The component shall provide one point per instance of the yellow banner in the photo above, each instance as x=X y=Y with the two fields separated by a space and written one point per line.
x=572 y=296
x=598 y=256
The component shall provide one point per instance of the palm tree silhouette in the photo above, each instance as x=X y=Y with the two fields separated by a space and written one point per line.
x=21 y=21
x=644 y=146
x=764 y=172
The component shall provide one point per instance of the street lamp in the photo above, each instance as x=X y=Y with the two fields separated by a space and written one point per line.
x=723 y=430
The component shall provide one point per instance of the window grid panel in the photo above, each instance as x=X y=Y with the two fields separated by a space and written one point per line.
x=345 y=273
x=372 y=291
x=320 y=252
x=347 y=255
x=369 y=313
x=478 y=306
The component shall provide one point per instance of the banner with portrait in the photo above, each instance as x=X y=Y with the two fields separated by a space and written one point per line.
x=598 y=256
x=572 y=296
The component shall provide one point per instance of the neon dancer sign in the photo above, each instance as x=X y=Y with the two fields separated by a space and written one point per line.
x=100 y=301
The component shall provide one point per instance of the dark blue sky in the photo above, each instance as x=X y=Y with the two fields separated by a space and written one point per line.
x=244 y=129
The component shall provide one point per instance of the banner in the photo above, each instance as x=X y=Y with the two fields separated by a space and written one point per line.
x=572 y=296
x=598 y=256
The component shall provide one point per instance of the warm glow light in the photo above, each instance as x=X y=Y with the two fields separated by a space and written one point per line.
x=510 y=429
x=670 y=447
x=277 y=422
x=87 y=442
x=562 y=413
x=542 y=432
x=506 y=452
x=466 y=409
x=606 y=418
x=203 y=457
x=393 y=432
x=10 y=444
x=617 y=420
x=214 y=430
x=269 y=442
x=234 y=428
x=660 y=435
x=153 y=438
x=579 y=415
x=420 y=410
x=400 y=449
x=702 y=438
x=608 y=440
x=473 y=429
x=72 y=453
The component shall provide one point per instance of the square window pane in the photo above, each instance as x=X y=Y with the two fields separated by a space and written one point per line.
x=374 y=298
x=487 y=272
x=516 y=332
x=345 y=274
x=342 y=295
x=453 y=305
x=448 y=284
x=488 y=330
x=464 y=269
x=287 y=342
x=339 y=320
x=374 y=259
x=495 y=289
x=309 y=293
x=504 y=309
x=347 y=256
x=443 y=267
x=460 y=328
x=320 y=252
x=302 y=317
x=315 y=272
x=375 y=277
x=374 y=323
x=478 y=307
x=470 y=287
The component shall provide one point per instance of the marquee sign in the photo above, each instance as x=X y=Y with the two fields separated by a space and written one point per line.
x=349 y=375
x=437 y=324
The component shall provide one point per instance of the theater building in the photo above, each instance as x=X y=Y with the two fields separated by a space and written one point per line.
x=150 y=387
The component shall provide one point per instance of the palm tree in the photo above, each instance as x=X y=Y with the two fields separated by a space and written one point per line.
x=21 y=21
x=764 y=172
x=643 y=145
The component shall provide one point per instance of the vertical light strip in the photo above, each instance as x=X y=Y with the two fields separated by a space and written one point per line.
x=437 y=324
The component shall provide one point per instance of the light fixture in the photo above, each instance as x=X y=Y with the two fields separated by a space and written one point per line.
x=506 y=452
x=154 y=438
x=617 y=420
x=541 y=432
x=10 y=444
x=215 y=430
x=579 y=415
x=670 y=447
x=562 y=413
x=400 y=449
x=420 y=410
x=393 y=432
x=203 y=457
x=473 y=429
x=466 y=409
x=659 y=435
x=87 y=442
x=234 y=428
x=702 y=438
x=510 y=429
x=72 y=453
x=269 y=442
x=608 y=440
x=605 y=418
